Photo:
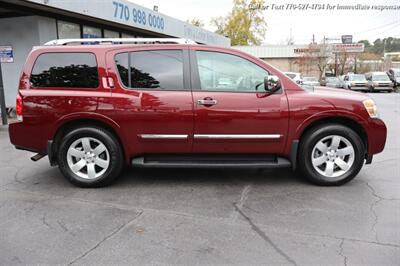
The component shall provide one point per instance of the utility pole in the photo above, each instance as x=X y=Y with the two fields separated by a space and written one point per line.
x=2 y=100
x=336 y=66
x=355 y=64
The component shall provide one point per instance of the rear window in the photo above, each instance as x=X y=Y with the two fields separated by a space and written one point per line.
x=158 y=69
x=65 y=70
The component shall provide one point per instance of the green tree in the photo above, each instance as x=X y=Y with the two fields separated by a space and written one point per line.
x=245 y=24
x=366 y=43
x=379 y=46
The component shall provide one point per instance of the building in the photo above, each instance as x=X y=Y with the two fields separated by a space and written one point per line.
x=287 y=58
x=28 y=23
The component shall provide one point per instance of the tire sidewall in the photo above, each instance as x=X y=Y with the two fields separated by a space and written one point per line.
x=113 y=149
x=314 y=137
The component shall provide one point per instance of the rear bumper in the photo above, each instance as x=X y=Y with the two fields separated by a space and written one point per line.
x=376 y=135
x=27 y=138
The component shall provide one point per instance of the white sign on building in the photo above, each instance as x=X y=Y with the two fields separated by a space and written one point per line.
x=6 y=54
x=348 y=47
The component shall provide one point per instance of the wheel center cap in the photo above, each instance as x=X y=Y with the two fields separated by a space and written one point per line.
x=331 y=155
x=89 y=157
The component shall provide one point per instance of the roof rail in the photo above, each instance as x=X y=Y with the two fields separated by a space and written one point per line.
x=120 y=41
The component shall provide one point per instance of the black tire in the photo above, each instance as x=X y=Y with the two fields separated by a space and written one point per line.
x=312 y=137
x=116 y=158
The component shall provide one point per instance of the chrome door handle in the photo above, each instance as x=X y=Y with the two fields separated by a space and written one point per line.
x=206 y=102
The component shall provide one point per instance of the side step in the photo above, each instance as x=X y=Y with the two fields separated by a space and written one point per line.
x=211 y=161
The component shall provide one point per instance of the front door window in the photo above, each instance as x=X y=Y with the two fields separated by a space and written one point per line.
x=226 y=72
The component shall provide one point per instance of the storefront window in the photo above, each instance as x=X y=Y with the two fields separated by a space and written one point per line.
x=91 y=32
x=111 y=34
x=68 y=30
x=127 y=35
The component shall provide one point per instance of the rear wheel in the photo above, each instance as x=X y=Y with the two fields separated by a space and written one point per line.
x=90 y=157
x=331 y=155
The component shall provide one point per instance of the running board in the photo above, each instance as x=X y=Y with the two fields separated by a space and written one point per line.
x=210 y=161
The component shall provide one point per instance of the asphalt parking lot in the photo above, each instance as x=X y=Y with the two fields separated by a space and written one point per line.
x=189 y=217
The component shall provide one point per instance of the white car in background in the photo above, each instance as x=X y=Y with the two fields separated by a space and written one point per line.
x=295 y=76
x=311 y=81
x=356 y=82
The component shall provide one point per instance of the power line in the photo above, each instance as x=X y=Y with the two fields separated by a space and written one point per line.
x=386 y=30
x=379 y=27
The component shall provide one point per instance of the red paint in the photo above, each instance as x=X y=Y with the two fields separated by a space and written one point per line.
x=133 y=112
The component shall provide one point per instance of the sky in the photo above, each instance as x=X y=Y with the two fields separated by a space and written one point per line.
x=362 y=24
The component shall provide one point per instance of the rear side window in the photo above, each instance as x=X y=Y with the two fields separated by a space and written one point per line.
x=65 y=70
x=158 y=69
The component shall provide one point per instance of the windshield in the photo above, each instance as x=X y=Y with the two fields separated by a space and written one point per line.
x=357 y=78
x=309 y=79
x=397 y=73
x=381 y=77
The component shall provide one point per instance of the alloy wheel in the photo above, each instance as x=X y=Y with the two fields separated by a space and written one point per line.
x=88 y=158
x=333 y=156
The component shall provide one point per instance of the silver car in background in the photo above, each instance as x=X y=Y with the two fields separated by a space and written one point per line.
x=394 y=75
x=379 y=81
x=333 y=82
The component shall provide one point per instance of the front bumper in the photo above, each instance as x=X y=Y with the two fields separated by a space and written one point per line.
x=377 y=133
x=382 y=88
x=361 y=88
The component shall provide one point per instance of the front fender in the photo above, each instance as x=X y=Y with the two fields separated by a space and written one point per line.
x=334 y=114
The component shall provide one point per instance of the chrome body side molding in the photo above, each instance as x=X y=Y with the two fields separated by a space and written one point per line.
x=237 y=136
x=163 y=136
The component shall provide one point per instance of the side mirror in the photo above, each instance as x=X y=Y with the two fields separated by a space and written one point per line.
x=272 y=83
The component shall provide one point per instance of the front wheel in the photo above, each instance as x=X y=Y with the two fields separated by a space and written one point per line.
x=90 y=157
x=331 y=155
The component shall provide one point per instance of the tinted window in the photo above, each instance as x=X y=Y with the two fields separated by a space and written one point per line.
x=72 y=70
x=161 y=69
x=225 y=72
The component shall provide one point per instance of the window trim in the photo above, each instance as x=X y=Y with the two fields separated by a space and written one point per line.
x=185 y=70
x=65 y=88
x=195 y=75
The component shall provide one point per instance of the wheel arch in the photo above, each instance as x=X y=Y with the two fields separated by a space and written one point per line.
x=67 y=124
x=341 y=120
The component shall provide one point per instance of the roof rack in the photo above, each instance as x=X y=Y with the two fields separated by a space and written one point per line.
x=121 y=41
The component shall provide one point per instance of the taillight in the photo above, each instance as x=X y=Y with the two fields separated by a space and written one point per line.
x=19 y=107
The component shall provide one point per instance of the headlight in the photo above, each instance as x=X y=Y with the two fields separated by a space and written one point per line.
x=371 y=108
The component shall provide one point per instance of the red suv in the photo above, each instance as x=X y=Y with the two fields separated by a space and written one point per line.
x=95 y=108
